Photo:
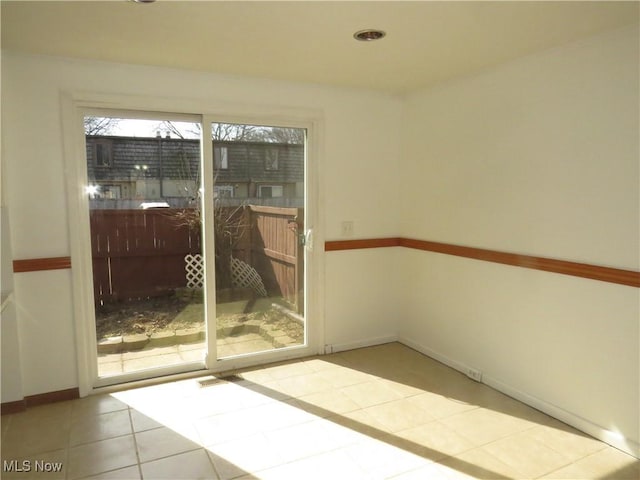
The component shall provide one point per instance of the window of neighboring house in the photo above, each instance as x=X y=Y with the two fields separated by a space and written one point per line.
x=270 y=191
x=110 y=191
x=271 y=159
x=221 y=158
x=103 y=154
x=223 y=191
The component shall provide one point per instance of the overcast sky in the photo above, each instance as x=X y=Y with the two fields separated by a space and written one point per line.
x=148 y=128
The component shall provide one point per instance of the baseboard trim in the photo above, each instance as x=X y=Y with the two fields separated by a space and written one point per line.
x=17 y=406
x=41 y=264
x=460 y=367
x=336 y=245
x=582 y=270
x=52 y=397
x=609 y=437
x=40 y=399
x=370 y=342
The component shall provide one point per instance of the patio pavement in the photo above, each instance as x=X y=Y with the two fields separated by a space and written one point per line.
x=152 y=357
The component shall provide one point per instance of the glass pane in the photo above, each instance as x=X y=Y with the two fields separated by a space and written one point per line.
x=259 y=221
x=144 y=194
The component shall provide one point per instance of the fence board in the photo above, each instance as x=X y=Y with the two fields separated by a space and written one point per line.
x=276 y=252
x=139 y=253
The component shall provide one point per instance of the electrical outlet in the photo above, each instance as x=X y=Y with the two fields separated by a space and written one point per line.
x=346 y=228
x=474 y=374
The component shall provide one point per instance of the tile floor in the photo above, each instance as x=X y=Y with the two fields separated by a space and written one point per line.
x=384 y=412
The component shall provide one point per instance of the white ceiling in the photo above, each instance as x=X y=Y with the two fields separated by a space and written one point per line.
x=426 y=43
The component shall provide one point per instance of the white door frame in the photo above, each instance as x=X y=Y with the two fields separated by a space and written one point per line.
x=75 y=105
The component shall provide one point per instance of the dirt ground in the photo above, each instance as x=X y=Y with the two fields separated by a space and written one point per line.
x=171 y=313
x=140 y=316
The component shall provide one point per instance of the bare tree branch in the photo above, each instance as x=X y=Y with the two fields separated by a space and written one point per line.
x=100 y=125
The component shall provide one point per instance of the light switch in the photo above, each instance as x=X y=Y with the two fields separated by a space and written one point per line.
x=347 y=228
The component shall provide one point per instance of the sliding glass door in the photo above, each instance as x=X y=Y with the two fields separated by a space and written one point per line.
x=259 y=174
x=197 y=243
x=146 y=245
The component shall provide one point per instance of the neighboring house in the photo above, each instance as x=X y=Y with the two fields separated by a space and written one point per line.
x=130 y=170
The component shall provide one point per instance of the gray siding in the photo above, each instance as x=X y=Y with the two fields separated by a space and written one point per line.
x=179 y=159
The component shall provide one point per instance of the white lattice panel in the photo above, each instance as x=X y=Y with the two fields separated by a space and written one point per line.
x=194 y=270
x=244 y=275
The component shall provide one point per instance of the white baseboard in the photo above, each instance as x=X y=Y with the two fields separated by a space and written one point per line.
x=609 y=437
x=435 y=355
x=370 y=342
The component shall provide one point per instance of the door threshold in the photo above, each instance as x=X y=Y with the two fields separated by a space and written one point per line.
x=147 y=382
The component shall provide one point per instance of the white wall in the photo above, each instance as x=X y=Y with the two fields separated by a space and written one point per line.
x=360 y=140
x=540 y=157
x=11 y=375
x=349 y=301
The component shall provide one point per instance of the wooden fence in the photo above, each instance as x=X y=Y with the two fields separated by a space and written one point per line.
x=140 y=253
x=276 y=252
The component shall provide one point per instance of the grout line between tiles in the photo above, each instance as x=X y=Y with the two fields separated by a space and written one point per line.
x=135 y=443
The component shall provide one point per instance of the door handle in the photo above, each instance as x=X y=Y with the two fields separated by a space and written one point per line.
x=307 y=239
